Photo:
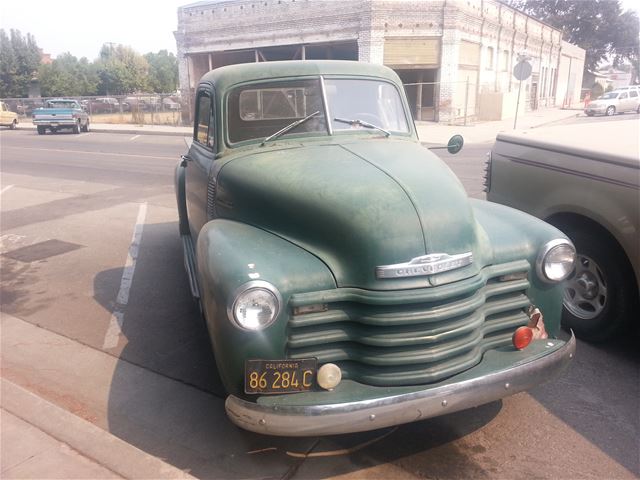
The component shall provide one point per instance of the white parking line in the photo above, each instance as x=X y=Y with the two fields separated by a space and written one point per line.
x=116 y=321
x=134 y=137
x=4 y=189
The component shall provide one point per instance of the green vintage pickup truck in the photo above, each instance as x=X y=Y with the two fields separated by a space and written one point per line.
x=347 y=281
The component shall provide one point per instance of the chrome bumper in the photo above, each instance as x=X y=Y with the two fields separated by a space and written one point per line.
x=397 y=409
x=62 y=122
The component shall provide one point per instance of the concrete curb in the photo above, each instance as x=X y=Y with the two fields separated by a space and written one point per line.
x=549 y=122
x=91 y=441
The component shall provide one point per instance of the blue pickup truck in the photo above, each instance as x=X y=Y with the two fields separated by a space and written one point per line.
x=61 y=113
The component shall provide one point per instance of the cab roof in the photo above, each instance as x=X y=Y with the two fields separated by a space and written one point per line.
x=226 y=77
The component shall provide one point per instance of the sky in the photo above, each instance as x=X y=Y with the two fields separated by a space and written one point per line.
x=82 y=27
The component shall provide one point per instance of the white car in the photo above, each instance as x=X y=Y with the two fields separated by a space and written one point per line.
x=616 y=101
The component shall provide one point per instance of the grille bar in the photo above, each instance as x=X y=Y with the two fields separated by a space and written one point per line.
x=413 y=336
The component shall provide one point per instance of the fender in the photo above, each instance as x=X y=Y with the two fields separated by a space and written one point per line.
x=230 y=254
x=511 y=235
x=179 y=183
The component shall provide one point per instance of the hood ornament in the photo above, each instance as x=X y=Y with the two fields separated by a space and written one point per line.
x=425 y=265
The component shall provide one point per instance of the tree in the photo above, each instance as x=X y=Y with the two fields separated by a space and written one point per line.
x=163 y=71
x=626 y=45
x=68 y=76
x=19 y=61
x=121 y=70
x=594 y=25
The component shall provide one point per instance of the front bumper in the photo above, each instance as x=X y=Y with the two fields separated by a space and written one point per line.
x=594 y=110
x=497 y=376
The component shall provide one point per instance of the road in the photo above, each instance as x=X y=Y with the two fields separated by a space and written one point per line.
x=100 y=322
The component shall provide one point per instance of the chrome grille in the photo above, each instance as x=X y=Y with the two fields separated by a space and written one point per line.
x=414 y=336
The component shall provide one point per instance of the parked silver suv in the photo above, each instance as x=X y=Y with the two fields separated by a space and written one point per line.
x=616 y=101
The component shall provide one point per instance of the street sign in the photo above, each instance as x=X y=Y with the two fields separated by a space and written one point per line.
x=522 y=70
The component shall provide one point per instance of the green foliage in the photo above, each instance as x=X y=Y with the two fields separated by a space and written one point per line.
x=121 y=71
x=596 y=90
x=68 y=76
x=598 y=26
x=19 y=61
x=163 y=71
x=626 y=45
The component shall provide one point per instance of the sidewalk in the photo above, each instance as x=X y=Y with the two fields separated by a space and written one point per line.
x=127 y=128
x=480 y=132
x=42 y=440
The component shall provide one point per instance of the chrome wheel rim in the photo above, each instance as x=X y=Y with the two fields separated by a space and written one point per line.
x=585 y=294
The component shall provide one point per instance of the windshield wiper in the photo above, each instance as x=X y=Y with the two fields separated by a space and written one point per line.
x=362 y=123
x=289 y=127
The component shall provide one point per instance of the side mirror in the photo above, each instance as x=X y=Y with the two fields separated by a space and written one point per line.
x=455 y=144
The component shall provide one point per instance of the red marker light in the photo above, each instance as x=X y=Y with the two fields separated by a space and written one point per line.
x=522 y=337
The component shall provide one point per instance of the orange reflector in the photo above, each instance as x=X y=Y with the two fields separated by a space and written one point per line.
x=522 y=337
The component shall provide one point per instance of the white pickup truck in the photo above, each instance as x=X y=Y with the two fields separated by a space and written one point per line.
x=585 y=180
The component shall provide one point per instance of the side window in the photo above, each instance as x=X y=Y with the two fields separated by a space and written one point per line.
x=623 y=96
x=633 y=93
x=204 y=125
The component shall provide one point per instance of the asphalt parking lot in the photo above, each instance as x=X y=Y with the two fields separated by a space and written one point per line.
x=97 y=319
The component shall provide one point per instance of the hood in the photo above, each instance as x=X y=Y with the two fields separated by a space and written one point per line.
x=356 y=206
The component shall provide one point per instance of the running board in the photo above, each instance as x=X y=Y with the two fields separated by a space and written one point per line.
x=190 y=264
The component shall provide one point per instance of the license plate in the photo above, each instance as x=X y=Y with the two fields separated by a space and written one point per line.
x=279 y=376
x=54 y=124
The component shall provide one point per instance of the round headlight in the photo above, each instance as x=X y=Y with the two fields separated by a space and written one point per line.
x=254 y=306
x=555 y=260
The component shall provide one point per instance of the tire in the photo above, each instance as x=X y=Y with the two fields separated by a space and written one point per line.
x=590 y=114
x=598 y=297
x=13 y=125
x=41 y=130
x=86 y=126
x=76 y=127
x=611 y=110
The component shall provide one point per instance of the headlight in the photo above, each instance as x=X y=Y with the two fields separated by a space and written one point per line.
x=555 y=260
x=254 y=306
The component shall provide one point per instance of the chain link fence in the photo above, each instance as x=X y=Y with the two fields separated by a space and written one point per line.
x=142 y=109
x=446 y=102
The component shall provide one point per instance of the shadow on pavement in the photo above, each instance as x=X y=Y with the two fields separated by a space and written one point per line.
x=598 y=397
x=168 y=407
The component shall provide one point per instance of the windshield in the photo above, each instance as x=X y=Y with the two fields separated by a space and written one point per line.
x=62 y=104
x=258 y=111
x=610 y=95
x=372 y=101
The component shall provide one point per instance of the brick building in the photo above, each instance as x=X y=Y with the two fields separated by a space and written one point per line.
x=455 y=56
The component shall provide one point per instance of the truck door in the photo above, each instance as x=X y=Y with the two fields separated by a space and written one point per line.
x=200 y=160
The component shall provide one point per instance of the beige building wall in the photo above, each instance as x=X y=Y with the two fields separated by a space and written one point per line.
x=456 y=57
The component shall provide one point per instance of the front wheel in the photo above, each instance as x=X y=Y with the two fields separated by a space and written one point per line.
x=598 y=296
x=86 y=127
x=13 y=125
x=611 y=110
x=41 y=130
x=76 y=127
